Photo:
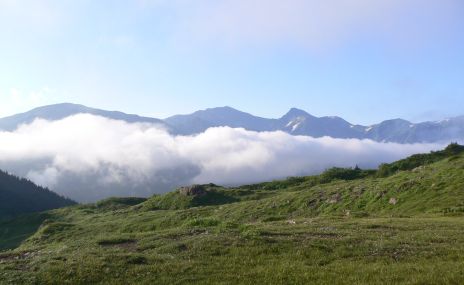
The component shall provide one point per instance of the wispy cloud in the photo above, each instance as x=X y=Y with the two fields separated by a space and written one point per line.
x=313 y=24
x=88 y=158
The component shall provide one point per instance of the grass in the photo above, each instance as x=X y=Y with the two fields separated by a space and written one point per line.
x=310 y=250
x=296 y=231
x=14 y=232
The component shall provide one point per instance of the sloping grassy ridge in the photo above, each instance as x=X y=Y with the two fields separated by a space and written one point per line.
x=403 y=226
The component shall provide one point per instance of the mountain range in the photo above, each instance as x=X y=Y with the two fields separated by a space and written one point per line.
x=294 y=122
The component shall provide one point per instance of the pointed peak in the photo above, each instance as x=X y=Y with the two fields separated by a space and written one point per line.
x=295 y=112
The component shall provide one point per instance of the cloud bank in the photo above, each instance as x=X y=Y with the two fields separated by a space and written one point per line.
x=87 y=157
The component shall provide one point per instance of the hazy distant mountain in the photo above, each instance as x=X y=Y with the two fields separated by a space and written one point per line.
x=19 y=196
x=403 y=131
x=452 y=128
x=60 y=111
x=217 y=117
x=299 y=122
x=295 y=122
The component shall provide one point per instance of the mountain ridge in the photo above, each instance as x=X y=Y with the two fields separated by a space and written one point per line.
x=21 y=196
x=294 y=122
x=63 y=110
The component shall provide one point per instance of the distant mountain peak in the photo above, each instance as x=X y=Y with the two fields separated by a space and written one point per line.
x=65 y=104
x=295 y=112
x=62 y=110
x=397 y=121
x=59 y=106
x=221 y=108
x=227 y=109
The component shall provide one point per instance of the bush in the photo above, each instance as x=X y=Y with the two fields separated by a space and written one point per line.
x=203 y=222
x=338 y=173
x=417 y=160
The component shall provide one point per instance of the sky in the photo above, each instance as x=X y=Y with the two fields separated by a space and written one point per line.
x=363 y=60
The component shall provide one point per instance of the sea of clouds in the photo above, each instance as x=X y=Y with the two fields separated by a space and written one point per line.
x=87 y=157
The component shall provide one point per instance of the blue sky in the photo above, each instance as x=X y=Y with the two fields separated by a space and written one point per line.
x=362 y=60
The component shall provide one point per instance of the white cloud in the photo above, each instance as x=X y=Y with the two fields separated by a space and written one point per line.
x=88 y=158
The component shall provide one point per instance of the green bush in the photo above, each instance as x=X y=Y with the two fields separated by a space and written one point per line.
x=417 y=160
x=203 y=222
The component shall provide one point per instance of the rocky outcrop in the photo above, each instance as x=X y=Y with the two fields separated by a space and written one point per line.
x=194 y=190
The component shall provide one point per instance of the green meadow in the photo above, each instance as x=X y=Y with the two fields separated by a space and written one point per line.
x=400 y=224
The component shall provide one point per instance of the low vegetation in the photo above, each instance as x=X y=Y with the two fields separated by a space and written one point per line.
x=344 y=226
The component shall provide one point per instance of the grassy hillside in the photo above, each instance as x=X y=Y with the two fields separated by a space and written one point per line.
x=403 y=225
x=20 y=196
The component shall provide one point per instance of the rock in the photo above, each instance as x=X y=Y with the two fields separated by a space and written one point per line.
x=312 y=203
x=358 y=191
x=393 y=201
x=291 y=222
x=335 y=198
x=419 y=168
x=194 y=190
x=408 y=185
